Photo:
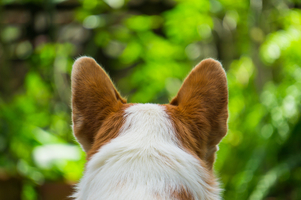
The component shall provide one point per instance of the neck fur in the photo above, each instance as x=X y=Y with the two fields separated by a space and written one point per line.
x=146 y=162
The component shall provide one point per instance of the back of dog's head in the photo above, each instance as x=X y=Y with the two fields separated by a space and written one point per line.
x=149 y=151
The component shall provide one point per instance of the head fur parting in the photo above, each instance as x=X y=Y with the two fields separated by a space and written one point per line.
x=149 y=151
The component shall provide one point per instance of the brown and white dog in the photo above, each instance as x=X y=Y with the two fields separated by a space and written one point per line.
x=149 y=151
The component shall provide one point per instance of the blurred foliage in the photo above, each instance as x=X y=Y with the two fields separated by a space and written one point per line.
x=148 y=47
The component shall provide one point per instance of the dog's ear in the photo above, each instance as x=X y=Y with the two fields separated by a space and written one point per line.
x=203 y=100
x=94 y=97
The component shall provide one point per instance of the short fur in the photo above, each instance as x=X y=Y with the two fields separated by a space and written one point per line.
x=200 y=110
x=146 y=161
x=94 y=99
x=149 y=151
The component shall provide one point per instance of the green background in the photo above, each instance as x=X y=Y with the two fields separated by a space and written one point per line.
x=148 y=47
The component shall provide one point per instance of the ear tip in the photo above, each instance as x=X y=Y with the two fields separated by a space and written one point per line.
x=211 y=61
x=83 y=63
x=212 y=64
x=83 y=59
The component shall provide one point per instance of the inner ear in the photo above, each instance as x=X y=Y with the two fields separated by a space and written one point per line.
x=94 y=98
x=203 y=100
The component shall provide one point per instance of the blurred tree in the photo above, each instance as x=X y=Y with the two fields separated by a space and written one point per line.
x=148 y=47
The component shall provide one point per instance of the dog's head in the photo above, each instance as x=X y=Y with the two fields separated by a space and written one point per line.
x=122 y=137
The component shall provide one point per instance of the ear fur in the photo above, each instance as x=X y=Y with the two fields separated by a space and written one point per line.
x=202 y=101
x=94 y=97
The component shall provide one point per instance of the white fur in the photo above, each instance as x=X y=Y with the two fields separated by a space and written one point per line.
x=145 y=162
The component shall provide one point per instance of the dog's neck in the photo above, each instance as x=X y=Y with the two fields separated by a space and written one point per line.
x=145 y=161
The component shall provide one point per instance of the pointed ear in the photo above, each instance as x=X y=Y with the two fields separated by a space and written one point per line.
x=94 y=97
x=203 y=98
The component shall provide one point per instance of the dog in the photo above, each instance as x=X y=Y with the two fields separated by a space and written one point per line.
x=149 y=151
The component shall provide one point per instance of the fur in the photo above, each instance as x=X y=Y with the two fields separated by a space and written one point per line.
x=146 y=161
x=149 y=151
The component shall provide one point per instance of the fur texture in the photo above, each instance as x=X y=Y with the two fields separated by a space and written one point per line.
x=146 y=161
x=148 y=151
x=94 y=99
x=200 y=110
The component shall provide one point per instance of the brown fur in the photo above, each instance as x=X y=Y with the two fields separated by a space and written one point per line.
x=94 y=98
x=199 y=111
x=109 y=129
x=182 y=194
